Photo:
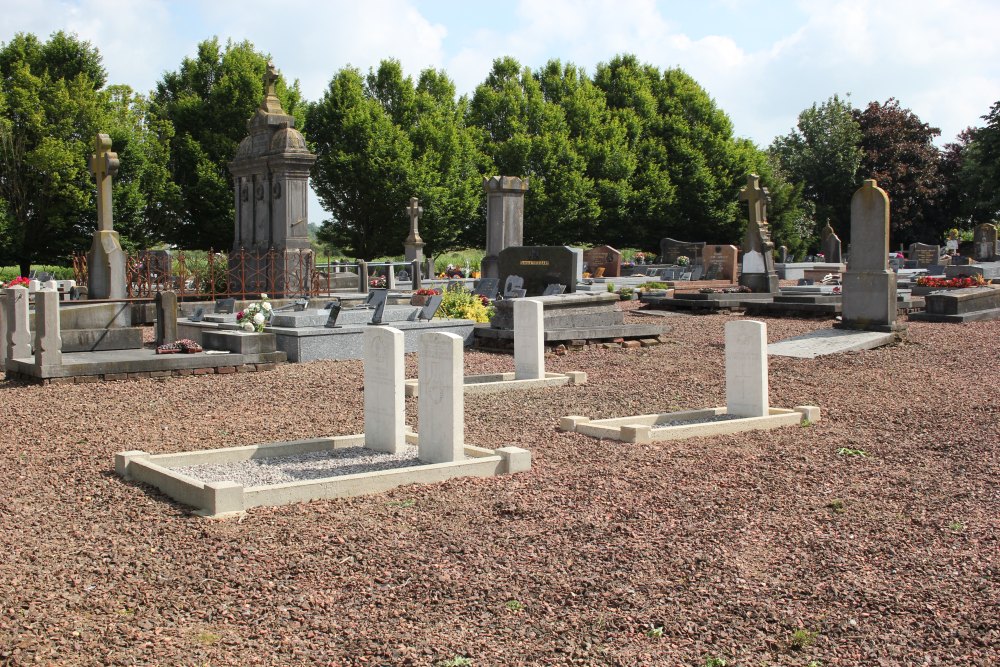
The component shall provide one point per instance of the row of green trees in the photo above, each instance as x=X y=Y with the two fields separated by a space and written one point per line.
x=625 y=156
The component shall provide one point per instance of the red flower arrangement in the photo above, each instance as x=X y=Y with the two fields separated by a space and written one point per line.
x=961 y=281
x=19 y=281
x=427 y=292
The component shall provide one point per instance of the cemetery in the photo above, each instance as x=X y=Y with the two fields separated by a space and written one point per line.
x=183 y=508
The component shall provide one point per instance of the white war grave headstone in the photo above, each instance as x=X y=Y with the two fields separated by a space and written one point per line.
x=441 y=404
x=385 y=410
x=529 y=340
x=746 y=369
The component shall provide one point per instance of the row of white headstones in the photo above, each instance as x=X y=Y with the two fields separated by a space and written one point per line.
x=441 y=402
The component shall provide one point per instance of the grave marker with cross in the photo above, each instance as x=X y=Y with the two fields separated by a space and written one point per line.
x=414 y=245
x=758 y=250
x=104 y=165
x=106 y=259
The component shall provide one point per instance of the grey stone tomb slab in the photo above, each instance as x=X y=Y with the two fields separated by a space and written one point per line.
x=828 y=341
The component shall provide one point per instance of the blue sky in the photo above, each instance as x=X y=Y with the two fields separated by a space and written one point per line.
x=763 y=62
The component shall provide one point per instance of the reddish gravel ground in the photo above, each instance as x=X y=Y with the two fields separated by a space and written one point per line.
x=755 y=549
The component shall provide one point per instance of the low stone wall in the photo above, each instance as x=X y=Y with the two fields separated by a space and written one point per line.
x=143 y=375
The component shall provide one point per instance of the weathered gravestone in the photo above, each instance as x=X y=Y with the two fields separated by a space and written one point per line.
x=830 y=245
x=529 y=340
x=225 y=306
x=603 y=257
x=984 y=241
x=671 y=249
x=540 y=266
x=166 y=317
x=721 y=262
x=504 y=218
x=924 y=254
x=198 y=315
x=106 y=259
x=512 y=284
x=331 y=321
x=758 y=251
x=869 y=286
x=487 y=287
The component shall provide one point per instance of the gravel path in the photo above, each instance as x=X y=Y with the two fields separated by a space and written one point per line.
x=759 y=548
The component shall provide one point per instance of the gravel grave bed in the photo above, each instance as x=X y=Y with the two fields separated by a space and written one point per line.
x=757 y=548
x=300 y=467
x=691 y=422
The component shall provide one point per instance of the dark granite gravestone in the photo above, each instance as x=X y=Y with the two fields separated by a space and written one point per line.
x=198 y=315
x=935 y=270
x=925 y=254
x=225 y=306
x=671 y=249
x=782 y=254
x=331 y=321
x=603 y=257
x=403 y=276
x=487 y=287
x=431 y=307
x=984 y=240
x=510 y=284
x=378 y=303
x=540 y=266
x=697 y=272
x=553 y=290
x=166 y=317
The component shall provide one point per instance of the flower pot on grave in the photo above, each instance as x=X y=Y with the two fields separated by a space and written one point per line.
x=419 y=300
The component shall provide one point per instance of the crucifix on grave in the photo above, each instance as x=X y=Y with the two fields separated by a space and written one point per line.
x=106 y=259
x=414 y=245
x=758 y=257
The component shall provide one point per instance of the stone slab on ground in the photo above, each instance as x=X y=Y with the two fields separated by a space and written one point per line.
x=589 y=333
x=126 y=362
x=829 y=341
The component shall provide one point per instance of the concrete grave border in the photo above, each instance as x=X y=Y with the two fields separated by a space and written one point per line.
x=497 y=382
x=641 y=428
x=221 y=499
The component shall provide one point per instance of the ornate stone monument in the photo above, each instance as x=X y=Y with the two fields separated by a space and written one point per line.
x=758 y=249
x=106 y=259
x=504 y=218
x=271 y=180
x=869 y=286
x=414 y=245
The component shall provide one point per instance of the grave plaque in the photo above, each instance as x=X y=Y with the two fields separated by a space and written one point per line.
x=554 y=290
x=331 y=321
x=431 y=307
x=198 y=315
x=540 y=266
x=378 y=303
x=671 y=249
x=925 y=254
x=720 y=262
x=510 y=284
x=603 y=257
x=985 y=243
x=487 y=287
x=225 y=306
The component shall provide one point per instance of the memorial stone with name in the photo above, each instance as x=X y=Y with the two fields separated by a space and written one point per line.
x=925 y=254
x=540 y=266
x=758 y=250
x=984 y=240
x=721 y=262
x=671 y=249
x=603 y=257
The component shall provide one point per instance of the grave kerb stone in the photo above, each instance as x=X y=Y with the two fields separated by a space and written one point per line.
x=18 y=343
x=746 y=368
x=48 y=344
x=385 y=411
x=441 y=404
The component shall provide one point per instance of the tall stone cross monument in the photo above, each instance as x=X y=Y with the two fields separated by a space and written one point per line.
x=106 y=259
x=271 y=179
x=414 y=245
x=758 y=257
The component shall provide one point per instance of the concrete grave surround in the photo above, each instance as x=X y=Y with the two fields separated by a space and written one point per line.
x=529 y=340
x=441 y=406
x=504 y=218
x=106 y=259
x=869 y=286
x=385 y=410
x=829 y=341
x=746 y=368
x=48 y=344
x=746 y=398
x=271 y=187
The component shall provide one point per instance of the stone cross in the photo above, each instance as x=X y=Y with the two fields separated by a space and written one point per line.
x=103 y=165
x=414 y=210
x=271 y=78
x=756 y=197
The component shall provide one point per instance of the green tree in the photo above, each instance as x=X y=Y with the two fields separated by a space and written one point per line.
x=899 y=153
x=209 y=101
x=979 y=171
x=51 y=112
x=823 y=154
x=382 y=139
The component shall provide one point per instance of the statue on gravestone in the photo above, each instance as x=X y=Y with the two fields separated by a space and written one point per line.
x=758 y=250
x=106 y=259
